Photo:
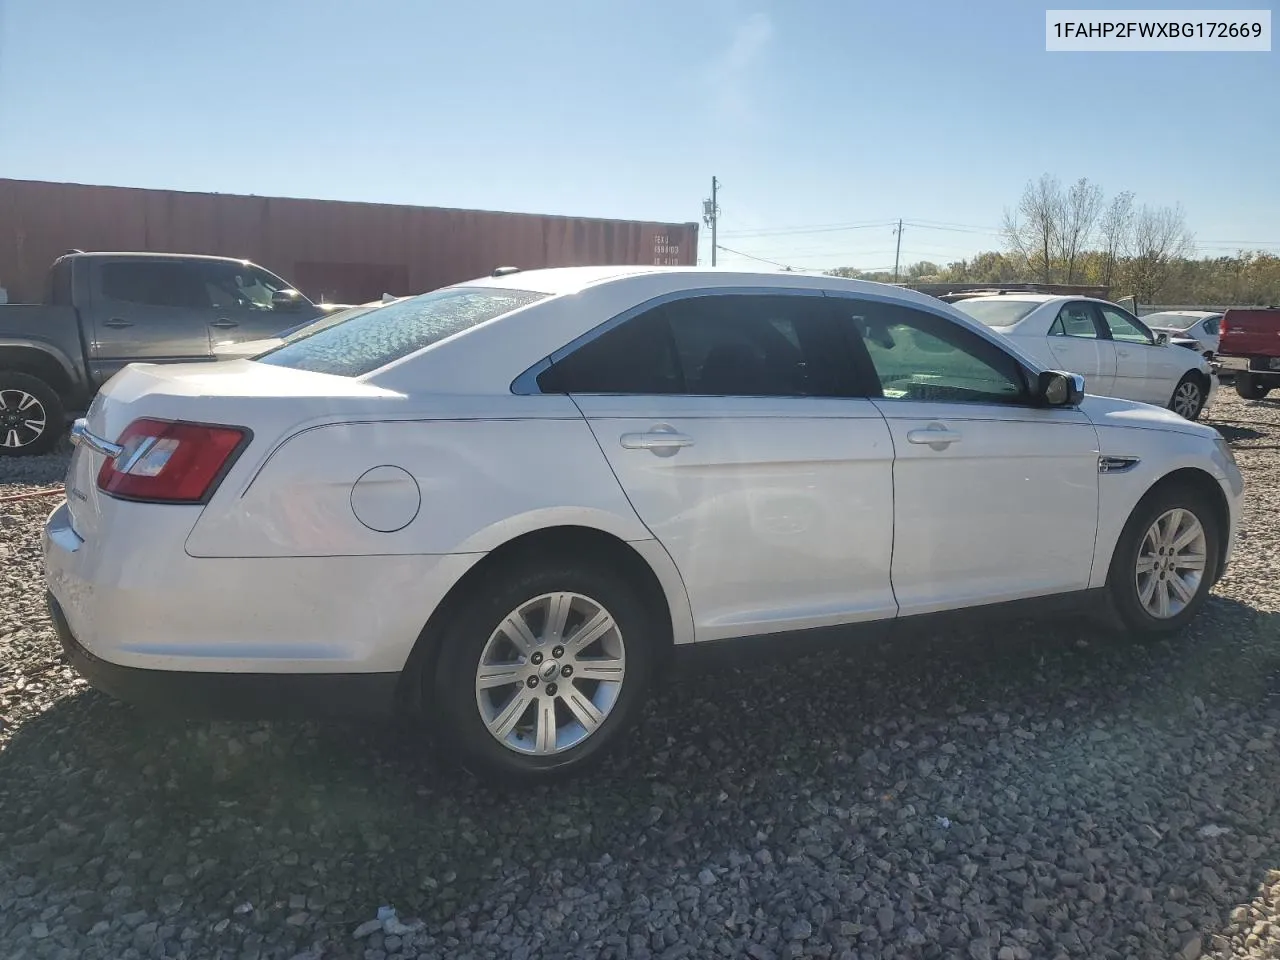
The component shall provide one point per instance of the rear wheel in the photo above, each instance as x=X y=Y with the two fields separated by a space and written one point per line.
x=1165 y=562
x=1250 y=386
x=31 y=415
x=542 y=672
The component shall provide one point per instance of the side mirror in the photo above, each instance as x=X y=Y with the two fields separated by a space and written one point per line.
x=1162 y=339
x=1057 y=388
x=287 y=300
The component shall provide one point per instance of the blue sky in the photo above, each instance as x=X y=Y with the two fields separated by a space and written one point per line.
x=811 y=112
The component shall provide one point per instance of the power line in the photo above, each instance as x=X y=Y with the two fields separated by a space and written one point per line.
x=821 y=228
x=952 y=223
x=752 y=256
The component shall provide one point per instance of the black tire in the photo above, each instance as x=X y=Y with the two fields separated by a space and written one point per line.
x=15 y=419
x=1250 y=387
x=1122 y=577
x=1182 y=392
x=450 y=688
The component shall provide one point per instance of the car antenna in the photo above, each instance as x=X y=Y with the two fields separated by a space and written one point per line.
x=504 y=271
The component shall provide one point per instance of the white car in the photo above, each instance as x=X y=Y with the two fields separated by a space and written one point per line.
x=1202 y=326
x=1114 y=350
x=502 y=505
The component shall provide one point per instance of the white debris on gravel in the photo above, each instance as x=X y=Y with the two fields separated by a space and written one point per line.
x=1034 y=790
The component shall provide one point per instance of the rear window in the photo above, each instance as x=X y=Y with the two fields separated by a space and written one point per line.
x=1172 y=321
x=997 y=313
x=367 y=341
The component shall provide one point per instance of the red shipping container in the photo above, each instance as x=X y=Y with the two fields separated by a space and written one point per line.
x=333 y=250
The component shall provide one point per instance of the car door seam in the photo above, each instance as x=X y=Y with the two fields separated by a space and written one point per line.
x=893 y=502
x=586 y=422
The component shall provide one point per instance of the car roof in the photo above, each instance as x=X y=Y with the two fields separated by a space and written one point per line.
x=1021 y=298
x=559 y=281
x=153 y=255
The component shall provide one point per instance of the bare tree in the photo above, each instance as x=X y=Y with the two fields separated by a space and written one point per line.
x=1158 y=240
x=1078 y=211
x=1114 y=229
x=1031 y=231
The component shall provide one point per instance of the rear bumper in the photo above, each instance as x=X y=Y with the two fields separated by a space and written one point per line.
x=237 y=637
x=1263 y=366
x=232 y=696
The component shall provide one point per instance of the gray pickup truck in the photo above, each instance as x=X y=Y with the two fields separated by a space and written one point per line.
x=102 y=311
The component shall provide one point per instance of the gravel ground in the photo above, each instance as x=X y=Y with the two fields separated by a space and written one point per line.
x=1036 y=791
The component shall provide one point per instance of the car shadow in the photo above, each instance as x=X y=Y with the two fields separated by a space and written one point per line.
x=1235 y=434
x=245 y=812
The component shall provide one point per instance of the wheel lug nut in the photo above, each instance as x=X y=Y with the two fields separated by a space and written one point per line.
x=566 y=671
x=536 y=658
x=531 y=682
x=558 y=652
x=551 y=689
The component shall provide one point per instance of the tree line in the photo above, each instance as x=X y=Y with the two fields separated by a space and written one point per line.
x=1072 y=234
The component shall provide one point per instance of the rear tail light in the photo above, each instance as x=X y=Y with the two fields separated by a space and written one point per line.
x=165 y=461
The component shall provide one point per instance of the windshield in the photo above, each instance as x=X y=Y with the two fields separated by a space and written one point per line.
x=370 y=339
x=997 y=313
x=1173 y=321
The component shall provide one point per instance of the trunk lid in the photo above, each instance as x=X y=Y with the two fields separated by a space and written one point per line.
x=265 y=399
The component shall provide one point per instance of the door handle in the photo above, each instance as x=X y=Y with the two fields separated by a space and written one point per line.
x=935 y=435
x=224 y=323
x=662 y=442
x=117 y=323
x=1122 y=353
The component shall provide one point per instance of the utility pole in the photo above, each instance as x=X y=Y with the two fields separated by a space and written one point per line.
x=710 y=214
x=897 y=252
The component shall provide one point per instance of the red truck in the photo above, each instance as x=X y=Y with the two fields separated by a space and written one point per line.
x=1249 y=347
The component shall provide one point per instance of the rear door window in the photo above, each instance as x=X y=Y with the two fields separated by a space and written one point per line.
x=369 y=341
x=731 y=345
x=154 y=283
x=1075 y=320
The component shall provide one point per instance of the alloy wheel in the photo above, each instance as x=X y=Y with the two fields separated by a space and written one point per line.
x=1186 y=400
x=1171 y=563
x=550 y=674
x=22 y=418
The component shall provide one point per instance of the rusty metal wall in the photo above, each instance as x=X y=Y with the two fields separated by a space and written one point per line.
x=427 y=246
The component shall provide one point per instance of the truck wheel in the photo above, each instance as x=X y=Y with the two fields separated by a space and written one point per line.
x=1250 y=386
x=31 y=415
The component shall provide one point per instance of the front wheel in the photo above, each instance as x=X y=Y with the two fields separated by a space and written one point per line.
x=1165 y=562
x=1188 y=397
x=31 y=415
x=542 y=672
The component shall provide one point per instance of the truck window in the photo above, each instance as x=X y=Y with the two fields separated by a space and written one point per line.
x=157 y=284
x=232 y=285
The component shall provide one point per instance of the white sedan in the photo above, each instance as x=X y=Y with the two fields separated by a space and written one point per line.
x=1116 y=352
x=502 y=505
x=1202 y=326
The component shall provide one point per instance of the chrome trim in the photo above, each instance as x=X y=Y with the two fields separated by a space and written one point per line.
x=526 y=383
x=1116 y=464
x=80 y=435
x=143 y=449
